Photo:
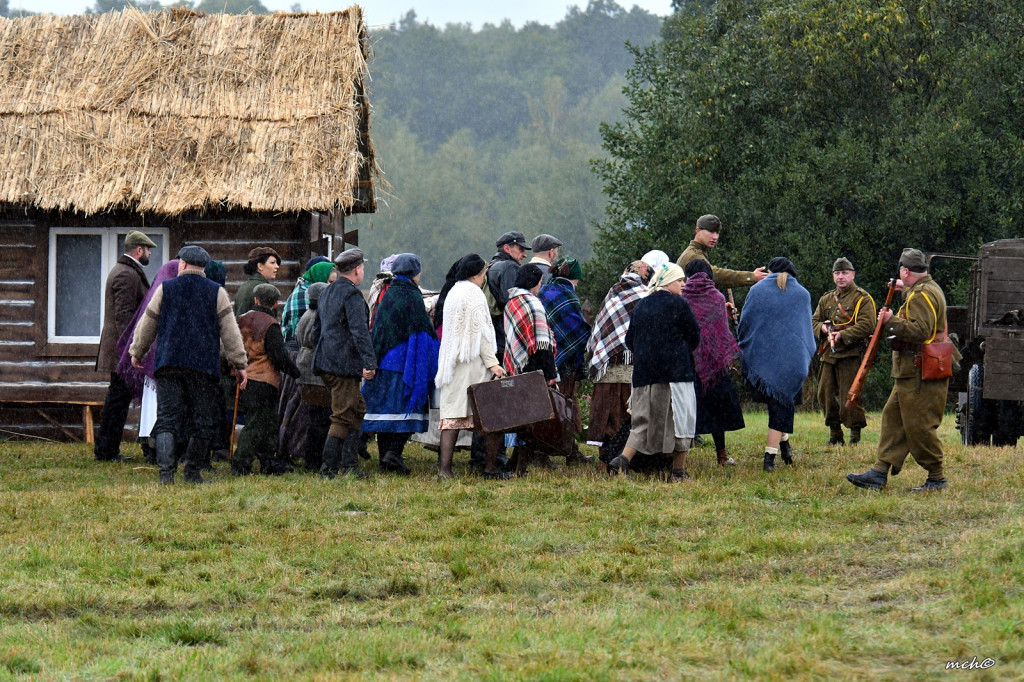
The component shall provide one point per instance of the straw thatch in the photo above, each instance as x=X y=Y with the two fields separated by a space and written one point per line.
x=173 y=111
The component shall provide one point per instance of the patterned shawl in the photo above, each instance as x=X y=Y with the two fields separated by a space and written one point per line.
x=609 y=336
x=526 y=329
x=717 y=346
x=135 y=378
x=405 y=340
x=298 y=301
x=467 y=322
x=776 y=337
x=565 y=317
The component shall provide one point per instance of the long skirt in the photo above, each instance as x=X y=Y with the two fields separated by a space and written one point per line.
x=293 y=434
x=386 y=409
x=664 y=418
x=609 y=408
x=718 y=406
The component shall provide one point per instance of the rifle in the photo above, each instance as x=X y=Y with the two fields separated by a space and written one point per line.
x=869 y=356
x=735 y=314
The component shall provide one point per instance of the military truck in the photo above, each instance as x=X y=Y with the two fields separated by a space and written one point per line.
x=989 y=385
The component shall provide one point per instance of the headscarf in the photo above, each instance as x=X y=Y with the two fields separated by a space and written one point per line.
x=638 y=267
x=608 y=338
x=469 y=266
x=717 y=347
x=318 y=272
x=569 y=268
x=135 y=378
x=655 y=258
x=387 y=263
x=298 y=301
x=216 y=272
x=663 y=275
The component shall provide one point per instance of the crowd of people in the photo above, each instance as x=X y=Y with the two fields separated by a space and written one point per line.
x=339 y=367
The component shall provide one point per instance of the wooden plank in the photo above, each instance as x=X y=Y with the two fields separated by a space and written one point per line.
x=17 y=331
x=1004 y=368
x=63 y=430
x=76 y=393
x=87 y=424
x=49 y=371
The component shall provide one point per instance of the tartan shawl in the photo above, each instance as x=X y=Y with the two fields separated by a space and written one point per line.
x=526 y=329
x=565 y=318
x=717 y=346
x=296 y=304
x=609 y=336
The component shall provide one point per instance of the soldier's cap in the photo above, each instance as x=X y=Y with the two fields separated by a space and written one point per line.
x=914 y=260
x=545 y=242
x=261 y=251
x=315 y=289
x=709 y=222
x=513 y=238
x=136 y=238
x=266 y=292
x=194 y=255
x=842 y=264
x=349 y=259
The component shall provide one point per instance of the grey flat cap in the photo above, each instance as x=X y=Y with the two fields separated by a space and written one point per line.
x=545 y=242
x=194 y=255
x=349 y=259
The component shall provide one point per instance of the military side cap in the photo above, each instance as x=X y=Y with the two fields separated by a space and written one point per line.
x=912 y=259
x=545 y=242
x=512 y=238
x=349 y=259
x=709 y=222
x=194 y=255
x=842 y=264
x=261 y=251
x=136 y=238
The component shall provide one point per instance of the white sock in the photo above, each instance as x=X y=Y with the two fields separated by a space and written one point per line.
x=785 y=436
x=771 y=451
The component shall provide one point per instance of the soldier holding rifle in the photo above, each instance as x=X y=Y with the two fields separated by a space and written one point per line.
x=911 y=417
x=843 y=322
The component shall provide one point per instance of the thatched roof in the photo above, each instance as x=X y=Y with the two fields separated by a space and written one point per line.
x=174 y=111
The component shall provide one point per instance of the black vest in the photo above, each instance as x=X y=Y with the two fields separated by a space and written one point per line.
x=188 y=335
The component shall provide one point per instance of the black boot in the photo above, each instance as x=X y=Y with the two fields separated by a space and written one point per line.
x=349 y=464
x=166 y=458
x=195 y=458
x=148 y=450
x=331 y=457
x=786 y=451
x=769 y=462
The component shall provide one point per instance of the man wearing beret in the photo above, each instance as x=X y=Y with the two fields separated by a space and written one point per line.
x=343 y=356
x=191 y=319
x=705 y=238
x=501 y=276
x=261 y=267
x=913 y=413
x=545 y=252
x=126 y=286
x=843 y=322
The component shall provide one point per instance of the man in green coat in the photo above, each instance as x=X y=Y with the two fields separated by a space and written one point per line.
x=913 y=413
x=843 y=322
x=708 y=229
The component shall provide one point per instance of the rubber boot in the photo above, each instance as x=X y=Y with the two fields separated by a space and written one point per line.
x=195 y=458
x=349 y=464
x=331 y=457
x=166 y=458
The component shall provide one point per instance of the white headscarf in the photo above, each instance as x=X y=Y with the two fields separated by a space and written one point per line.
x=655 y=258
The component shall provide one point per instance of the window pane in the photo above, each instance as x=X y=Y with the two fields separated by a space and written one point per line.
x=156 y=257
x=79 y=294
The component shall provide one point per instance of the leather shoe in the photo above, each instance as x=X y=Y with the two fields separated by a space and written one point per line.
x=930 y=486
x=724 y=460
x=870 y=479
x=786 y=452
x=836 y=440
x=769 y=463
x=618 y=465
x=394 y=462
x=679 y=476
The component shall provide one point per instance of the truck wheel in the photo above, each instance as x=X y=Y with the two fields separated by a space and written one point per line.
x=977 y=430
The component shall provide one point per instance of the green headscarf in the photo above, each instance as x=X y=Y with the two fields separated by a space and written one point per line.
x=319 y=272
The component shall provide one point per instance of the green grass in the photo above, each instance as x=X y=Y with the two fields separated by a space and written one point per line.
x=563 y=575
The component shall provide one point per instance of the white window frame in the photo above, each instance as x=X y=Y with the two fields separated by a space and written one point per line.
x=108 y=259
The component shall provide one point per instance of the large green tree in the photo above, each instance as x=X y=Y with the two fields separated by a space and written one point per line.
x=820 y=128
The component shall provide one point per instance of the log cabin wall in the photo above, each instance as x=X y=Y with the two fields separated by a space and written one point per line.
x=46 y=388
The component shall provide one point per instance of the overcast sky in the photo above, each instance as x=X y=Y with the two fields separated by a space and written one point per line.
x=382 y=12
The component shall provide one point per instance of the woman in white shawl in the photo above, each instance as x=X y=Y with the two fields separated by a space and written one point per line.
x=467 y=356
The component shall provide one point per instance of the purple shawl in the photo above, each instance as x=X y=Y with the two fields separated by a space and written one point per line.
x=717 y=346
x=135 y=378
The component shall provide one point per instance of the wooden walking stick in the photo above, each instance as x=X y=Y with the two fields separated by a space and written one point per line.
x=869 y=356
x=234 y=421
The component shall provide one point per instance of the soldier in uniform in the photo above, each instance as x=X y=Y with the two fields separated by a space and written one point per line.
x=911 y=417
x=708 y=229
x=843 y=322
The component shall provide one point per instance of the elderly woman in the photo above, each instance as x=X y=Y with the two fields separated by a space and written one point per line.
x=406 y=345
x=466 y=357
x=662 y=332
x=611 y=363
x=718 y=406
x=777 y=340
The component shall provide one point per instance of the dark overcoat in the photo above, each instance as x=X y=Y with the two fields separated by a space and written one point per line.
x=127 y=285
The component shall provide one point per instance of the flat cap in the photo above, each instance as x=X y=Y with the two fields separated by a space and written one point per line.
x=136 y=238
x=349 y=259
x=512 y=238
x=261 y=251
x=914 y=260
x=709 y=222
x=545 y=242
x=194 y=255
x=266 y=291
x=842 y=264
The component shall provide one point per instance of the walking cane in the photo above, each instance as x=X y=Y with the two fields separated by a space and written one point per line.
x=234 y=421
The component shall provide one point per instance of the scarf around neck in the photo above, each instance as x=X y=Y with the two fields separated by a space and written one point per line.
x=717 y=346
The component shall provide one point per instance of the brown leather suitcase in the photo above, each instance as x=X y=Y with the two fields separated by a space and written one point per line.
x=556 y=437
x=510 y=403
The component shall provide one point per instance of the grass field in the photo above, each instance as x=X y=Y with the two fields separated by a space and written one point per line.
x=561 y=575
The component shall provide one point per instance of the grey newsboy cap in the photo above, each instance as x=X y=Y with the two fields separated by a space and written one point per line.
x=136 y=238
x=266 y=291
x=709 y=222
x=315 y=289
x=545 y=242
x=914 y=260
x=842 y=264
x=349 y=259
x=194 y=255
x=512 y=238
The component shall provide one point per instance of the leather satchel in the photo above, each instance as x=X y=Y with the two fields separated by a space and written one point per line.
x=935 y=359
